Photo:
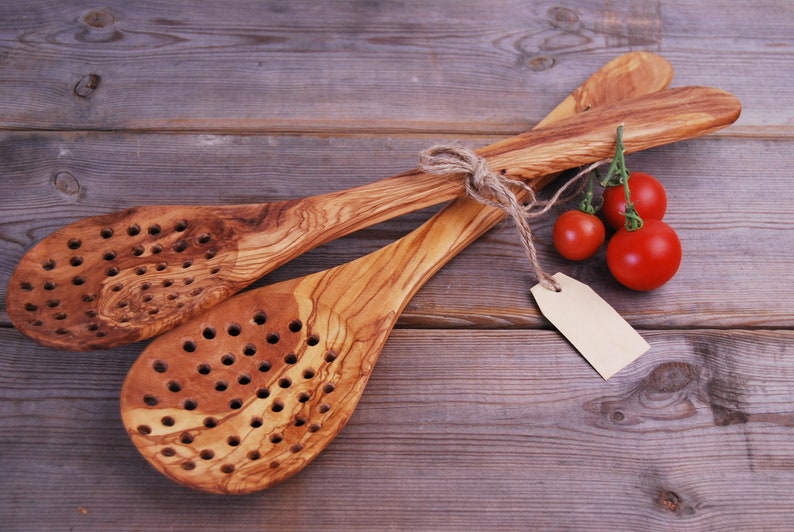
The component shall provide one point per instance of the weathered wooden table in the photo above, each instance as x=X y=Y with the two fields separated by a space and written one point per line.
x=478 y=415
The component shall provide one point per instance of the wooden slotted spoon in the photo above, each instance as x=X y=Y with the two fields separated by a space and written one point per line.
x=109 y=280
x=248 y=393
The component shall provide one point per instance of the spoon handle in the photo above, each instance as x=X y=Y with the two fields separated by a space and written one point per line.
x=649 y=121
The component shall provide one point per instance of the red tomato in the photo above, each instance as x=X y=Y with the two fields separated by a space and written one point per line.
x=647 y=194
x=578 y=235
x=644 y=259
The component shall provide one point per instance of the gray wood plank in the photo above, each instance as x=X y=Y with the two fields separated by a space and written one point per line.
x=456 y=430
x=441 y=66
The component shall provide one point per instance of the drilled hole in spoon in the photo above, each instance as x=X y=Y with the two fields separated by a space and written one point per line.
x=263 y=393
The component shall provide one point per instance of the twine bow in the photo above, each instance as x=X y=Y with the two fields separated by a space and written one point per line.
x=496 y=190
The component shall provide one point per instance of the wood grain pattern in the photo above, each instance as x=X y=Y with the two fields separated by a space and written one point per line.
x=476 y=417
x=341 y=67
x=689 y=436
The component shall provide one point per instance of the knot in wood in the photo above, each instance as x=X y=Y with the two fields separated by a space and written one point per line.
x=68 y=185
x=670 y=377
x=99 y=18
x=87 y=85
x=98 y=26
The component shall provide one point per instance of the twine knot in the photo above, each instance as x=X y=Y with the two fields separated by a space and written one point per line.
x=499 y=191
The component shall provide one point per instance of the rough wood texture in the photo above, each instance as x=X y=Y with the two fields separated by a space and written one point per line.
x=457 y=430
x=476 y=416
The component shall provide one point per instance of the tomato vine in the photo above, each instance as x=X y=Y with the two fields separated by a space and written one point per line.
x=643 y=254
x=618 y=175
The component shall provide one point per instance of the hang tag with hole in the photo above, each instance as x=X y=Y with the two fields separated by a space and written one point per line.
x=594 y=328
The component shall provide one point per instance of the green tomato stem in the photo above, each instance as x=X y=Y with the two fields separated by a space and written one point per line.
x=587 y=202
x=618 y=168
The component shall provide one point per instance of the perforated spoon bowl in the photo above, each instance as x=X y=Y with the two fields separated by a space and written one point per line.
x=248 y=393
x=114 y=279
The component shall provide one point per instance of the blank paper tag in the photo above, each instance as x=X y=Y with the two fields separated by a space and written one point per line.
x=594 y=328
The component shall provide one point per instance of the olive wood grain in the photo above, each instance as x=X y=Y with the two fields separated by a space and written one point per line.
x=248 y=393
x=118 y=278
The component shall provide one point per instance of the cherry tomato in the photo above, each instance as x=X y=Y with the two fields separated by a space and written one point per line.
x=644 y=259
x=578 y=235
x=647 y=194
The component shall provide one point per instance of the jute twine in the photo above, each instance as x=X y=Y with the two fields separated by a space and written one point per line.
x=502 y=192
